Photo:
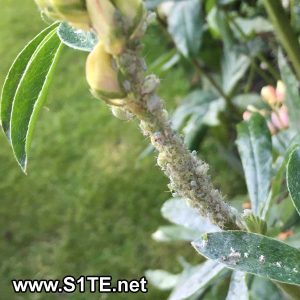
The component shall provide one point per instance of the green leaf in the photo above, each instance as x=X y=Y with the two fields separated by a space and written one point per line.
x=76 y=38
x=14 y=77
x=238 y=289
x=252 y=253
x=255 y=148
x=292 y=92
x=198 y=109
x=293 y=177
x=254 y=25
x=175 y=233
x=31 y=94
x=264 y=289
x=185 y=24
x=177 y=211
x=162 y=280
x=234 y=67
x=196 y=279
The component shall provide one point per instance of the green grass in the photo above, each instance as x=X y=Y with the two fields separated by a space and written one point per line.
x=87 y=205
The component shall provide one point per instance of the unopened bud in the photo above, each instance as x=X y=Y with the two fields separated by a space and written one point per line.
x=284 y=116
x=103 y=79
x=107 y=24
x=280 y=118
x=280 y=91
x=268 y=93
x=72 y=11
x=246 y=115
x=132 y=12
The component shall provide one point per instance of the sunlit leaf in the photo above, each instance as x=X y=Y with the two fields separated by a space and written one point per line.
x=162 y=280
x=175 y=233
x=196 y=279
x=14 y=77
x=255 y=148
x=30 y=94
x=177 y=211
x=252 y=253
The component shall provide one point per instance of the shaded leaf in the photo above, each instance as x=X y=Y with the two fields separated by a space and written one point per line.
x=292 y=92
x=177 y=211
x=252 y=253
x=254 y=25
x=14 y=77
x=198 y=109
x=264 y=289
x=185 y=24
x=196 y=279
x=255 y=148
x=162 y=280
x=293 y=177
x=238 y=289
x=234 y=67
x=30 y=95
x=76 y=38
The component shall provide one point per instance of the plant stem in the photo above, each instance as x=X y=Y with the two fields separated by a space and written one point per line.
x=284 y=32
x=188 y=175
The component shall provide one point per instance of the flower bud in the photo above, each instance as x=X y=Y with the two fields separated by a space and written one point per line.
x=102 y=77
x=280 y=91
x=72 y=11
x=106 y=23
x=246 y=115
x=273 y=130
x=280 y=118
x=284 y=116
x=268 y=93
x=132 y=11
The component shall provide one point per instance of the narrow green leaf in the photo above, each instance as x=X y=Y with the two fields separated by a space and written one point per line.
x=185 y=23
x=238 y=289
x=255 y=148
x=162 y=280
x=196 y=279
x=293 y=177
x=292 y=92
x=30 y=95
x=177 y=211
x=14 y=77
x=234 y=67
x=76 y=38
x=252 y=253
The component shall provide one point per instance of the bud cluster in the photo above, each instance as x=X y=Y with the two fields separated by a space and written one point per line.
x=277 y=117
x=117 y=24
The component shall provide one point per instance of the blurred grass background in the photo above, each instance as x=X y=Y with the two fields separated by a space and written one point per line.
x=87 y=206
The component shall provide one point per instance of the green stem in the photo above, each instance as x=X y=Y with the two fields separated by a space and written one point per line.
x=284 y=32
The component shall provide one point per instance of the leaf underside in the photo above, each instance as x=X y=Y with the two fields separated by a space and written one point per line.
x=25 y=90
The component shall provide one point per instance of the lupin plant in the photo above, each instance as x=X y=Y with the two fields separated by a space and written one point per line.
x=236 y=244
